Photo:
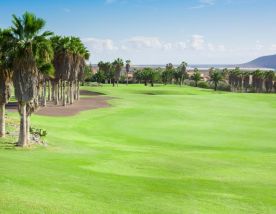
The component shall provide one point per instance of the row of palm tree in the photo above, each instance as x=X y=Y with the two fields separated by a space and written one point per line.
x=69 y=63
x=257 y=81
x=237 y=80
x=30 y=60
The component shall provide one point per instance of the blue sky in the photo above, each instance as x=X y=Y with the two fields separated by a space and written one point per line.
x=160 y=31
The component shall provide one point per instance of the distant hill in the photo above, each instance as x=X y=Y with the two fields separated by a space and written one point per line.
x=262 y=62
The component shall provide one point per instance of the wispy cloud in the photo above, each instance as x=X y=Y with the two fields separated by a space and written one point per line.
x=110 y=1
x=203 y=4
x=67 y=10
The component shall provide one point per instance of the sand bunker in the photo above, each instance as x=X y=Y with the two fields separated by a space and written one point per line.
x=85 y=103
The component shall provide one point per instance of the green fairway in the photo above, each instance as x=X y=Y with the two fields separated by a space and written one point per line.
x=166 y=149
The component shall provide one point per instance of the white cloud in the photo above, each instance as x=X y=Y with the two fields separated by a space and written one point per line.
x=100 y=44
x=258 y=45
x=141 y=42
x=197 y=42
x=181 y=45
x=143 y=49
x=221 y=48
x=211 y=47
x=273 y=47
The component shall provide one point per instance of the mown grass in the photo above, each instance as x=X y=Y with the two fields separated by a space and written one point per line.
x=165 y=149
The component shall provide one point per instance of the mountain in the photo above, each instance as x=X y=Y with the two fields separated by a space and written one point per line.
x=262 y=62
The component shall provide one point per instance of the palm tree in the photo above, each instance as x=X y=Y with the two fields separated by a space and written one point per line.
x=196 y=76
x=215 y=78
x=56 y=80
x=246 y=81
x=238 y=78
x=118 y=65
x=27 y=49
x=177 y=75
x=107 y=69
x=257 y=80
x=46 y=72
x=62 y=63
x=274 y=84
x=127 y=70
x=5 y=76
x=167 y=74
x=269 y=77
x=183 y=68
x=80 y=55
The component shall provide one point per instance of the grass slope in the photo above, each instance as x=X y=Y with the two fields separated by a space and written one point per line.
x=156 y=150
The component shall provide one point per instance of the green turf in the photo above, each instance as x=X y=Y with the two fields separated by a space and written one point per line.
x=156 y=150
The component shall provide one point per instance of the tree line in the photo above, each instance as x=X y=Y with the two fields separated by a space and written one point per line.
x=40 y=66
x=234 y=80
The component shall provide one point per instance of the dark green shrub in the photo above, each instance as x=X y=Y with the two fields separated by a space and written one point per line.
x=223 y=86
x=203 y=84
x=189 y=82
x=36 y=131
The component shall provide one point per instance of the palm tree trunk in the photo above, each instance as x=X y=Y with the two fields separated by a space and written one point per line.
x=127 y=78
x=67 y=93
x=23 y=140
x=53 y=90
x=49 y=90
x=78 y=90
x=28 y=128
x=60 y=90
x=71 y=92
x=63 y=93
x=2 y=120
x=56 y=86
x=44 y=92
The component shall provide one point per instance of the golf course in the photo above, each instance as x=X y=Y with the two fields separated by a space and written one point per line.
x=163 y=149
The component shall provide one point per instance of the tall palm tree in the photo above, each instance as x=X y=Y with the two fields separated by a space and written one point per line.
x=5 y=76
x=196 y=76
x=127 y=70
x=27 y=49
x=269 y=77
x=215 y=78
x=258 y=80
x=246 y=81
x=107 y=69
x=80 y=54
x=238 y=78
x=183 y=68
x=118 y=65
x=62 y=63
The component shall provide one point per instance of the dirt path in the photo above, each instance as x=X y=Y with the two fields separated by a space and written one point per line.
x=94 y=101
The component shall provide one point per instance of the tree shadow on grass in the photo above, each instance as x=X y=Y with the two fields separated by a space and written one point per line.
x=7 y=145
x=90 y=93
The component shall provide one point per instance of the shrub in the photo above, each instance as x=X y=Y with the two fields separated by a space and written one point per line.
x=40 y=132
x=189 y=82
x=223 y=86
x=203 y=84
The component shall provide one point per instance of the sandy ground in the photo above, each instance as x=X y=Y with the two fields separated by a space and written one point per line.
x=92 y=100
